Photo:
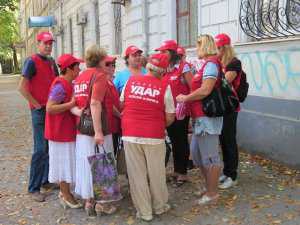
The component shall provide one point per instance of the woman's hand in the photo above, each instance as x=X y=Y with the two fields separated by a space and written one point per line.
x=181 y=98
x=99 y=138
x=76 y=111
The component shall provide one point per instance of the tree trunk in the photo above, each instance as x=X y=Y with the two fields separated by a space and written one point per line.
x=15 y=58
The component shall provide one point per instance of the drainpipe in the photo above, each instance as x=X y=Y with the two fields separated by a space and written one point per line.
x=96 y=15
x=145 y=18
x=62 y=32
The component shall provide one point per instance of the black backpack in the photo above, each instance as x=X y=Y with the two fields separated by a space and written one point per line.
x=242 y=90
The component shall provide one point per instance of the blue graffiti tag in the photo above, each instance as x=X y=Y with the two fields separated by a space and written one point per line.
x=272 y=69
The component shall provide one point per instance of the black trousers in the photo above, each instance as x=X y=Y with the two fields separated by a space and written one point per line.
x=178 y=134
x=229 y=145
x=116 y=137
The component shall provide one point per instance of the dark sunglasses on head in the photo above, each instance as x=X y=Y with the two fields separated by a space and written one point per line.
x=110 y=64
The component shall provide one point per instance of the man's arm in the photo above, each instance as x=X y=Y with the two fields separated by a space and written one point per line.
x=28 y=73
x=24 y=90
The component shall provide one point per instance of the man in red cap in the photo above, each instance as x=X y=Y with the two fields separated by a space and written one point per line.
x=133 y=59
x=38 y=73
x=60 y=129
x=148 y=109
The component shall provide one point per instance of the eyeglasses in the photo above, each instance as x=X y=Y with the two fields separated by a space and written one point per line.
x=110 y=64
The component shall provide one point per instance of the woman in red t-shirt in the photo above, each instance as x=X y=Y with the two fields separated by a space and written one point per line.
x=113 y=101
x=85 y=145
x=232 y=68
x=60 y=129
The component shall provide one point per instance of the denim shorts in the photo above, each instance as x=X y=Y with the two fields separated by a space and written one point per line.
x=204 y=149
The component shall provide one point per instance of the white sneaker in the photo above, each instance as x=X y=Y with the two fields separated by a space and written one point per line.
x=145 y=218
x=206 y=199
x=200 y=192
x=165 y=209
x=222 y=178
x=228 y=182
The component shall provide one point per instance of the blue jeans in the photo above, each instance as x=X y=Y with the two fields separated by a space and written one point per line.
x=39 y=167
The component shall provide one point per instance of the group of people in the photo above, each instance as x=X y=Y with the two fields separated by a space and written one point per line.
x=141 y=105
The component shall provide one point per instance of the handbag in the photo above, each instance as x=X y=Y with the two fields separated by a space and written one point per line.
x=121 y=161
x=221 y=101
x=85 y=125
x=105 y=177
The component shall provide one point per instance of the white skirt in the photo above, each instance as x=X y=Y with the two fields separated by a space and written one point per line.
x=85 y=146
x=61 y=162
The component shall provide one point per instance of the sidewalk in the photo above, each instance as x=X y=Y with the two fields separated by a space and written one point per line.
x=267 y=193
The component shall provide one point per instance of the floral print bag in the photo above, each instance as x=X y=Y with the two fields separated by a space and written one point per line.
x=105 y=176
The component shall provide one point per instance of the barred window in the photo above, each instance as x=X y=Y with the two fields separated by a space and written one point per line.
x=262 y=19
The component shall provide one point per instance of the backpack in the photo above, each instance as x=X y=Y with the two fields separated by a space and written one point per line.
x=242 y=90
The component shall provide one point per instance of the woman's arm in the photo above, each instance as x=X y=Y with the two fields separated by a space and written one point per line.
x=116 y=112
x=96 y=109
x=53 y=107
x=188 y=76
x=200 y=93
x=230 y=76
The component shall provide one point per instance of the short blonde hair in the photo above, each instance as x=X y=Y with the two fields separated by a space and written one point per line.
x=93 y=55
x=228 y=54
x=206 y=46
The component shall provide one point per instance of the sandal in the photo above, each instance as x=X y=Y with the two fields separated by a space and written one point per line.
x=172 y=178
x=179 y=183
x=90 y=209
x=106 y=209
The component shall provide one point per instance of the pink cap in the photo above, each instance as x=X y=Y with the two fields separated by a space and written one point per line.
x=222 y=39
x=110 y=59
x=132 y=49
x=66 y=60
x=180 y=50
x=168 y=45
x=44 y=37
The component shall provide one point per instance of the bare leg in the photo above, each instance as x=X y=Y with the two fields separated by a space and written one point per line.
x=212 y=175
x=67 y=195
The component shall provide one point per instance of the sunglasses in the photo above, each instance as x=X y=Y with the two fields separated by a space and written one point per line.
x=110 y=64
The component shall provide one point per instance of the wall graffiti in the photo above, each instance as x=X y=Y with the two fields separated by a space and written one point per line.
x=273 y=73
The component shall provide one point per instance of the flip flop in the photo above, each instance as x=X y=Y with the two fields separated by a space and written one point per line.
x=179 y=182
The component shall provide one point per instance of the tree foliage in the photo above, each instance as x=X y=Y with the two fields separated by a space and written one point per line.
x=8 y=5
x=9 y=29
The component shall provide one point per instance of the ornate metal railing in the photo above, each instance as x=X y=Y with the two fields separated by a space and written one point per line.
x=263 y=19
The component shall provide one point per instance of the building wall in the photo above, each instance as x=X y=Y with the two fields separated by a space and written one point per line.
x=218 y=16
x=148 y=23
x=269 y=122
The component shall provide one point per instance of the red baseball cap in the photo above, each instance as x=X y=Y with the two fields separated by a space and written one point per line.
x=110 y=59
x=222 y=39
x=159 y=60
x=44 y=37
x=132 y=49
x=66 y=60
x=168 y=45
x=180 y=50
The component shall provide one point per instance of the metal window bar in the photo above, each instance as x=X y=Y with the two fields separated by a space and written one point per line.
x=262 y=19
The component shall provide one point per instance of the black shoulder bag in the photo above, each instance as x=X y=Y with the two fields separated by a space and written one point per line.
x=222 y=100
x=85 y=125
